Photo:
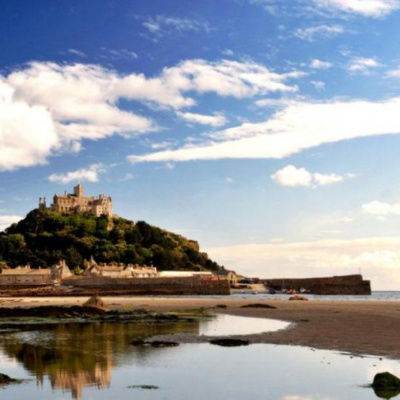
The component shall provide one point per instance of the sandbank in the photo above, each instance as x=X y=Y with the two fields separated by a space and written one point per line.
x=356 y=327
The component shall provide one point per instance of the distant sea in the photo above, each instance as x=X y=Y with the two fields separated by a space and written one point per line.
x=376 y=295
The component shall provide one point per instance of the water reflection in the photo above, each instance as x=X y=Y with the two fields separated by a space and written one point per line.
x=233 y=325
x=387 y=394
x=75 y=355
x=97 y=361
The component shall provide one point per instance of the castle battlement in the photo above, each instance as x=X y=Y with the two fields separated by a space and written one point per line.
x=77 y=202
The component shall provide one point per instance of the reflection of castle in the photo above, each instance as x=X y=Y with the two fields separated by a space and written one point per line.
x=77 y=202
x=75 y=356
x=78 y=380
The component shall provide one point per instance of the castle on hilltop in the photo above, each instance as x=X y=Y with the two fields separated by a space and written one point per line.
x=77 y=202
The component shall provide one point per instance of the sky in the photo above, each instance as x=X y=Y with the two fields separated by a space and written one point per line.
x=267 y=130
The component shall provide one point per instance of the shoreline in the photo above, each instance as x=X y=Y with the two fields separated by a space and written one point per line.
x=356 y=327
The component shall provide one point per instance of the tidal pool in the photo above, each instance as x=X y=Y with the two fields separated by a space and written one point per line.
x=96 y=361
x=225 y=325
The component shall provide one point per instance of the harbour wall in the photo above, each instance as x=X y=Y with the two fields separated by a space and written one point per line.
x=146 y=286
x=340 y=285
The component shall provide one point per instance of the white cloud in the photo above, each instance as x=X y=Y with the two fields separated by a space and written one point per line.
x=318 y=85
x=326 y=179
x=277 y=7
x=275 y=103
x=321 y=31
x=395 y=73
x=228 y=53
x=47 y=108
x=152 y=26
x=76 y=52
x=119 y=54
x=161 y=145
x=7 y=220
x=127 y=177
x=90 y=174
x=381 y=209
x=378 y=259
x=368 y=8
x=211 y=120
x=169 y=166
x=27 y=132
x=292 y=176
x=162 y=24
x=79 y=97
x=318 y=64
x=297 y=127
x=362 y=65
x=224 y=78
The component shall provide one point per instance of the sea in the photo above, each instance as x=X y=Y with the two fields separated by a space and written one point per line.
x=375 y=295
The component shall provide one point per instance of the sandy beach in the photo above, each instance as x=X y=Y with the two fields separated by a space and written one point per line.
x=356 y=327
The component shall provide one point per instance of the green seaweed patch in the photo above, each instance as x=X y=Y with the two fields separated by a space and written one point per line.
x=258 y=305
x=146 y=387
x=6 y=380
x=192 y=311
x=136 y=315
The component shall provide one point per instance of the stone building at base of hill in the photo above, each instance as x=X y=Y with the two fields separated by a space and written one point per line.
x=27 y=276
x=77 y=202
x=118 y=270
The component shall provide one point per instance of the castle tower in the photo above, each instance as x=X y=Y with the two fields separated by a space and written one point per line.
x=78 y=190
x=42 y=203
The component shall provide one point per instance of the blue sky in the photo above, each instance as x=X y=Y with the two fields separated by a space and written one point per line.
x=268 y=130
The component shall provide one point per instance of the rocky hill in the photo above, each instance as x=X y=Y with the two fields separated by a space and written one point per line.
x=44 y=237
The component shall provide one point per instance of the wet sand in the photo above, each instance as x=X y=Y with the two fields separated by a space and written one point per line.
x=357 y=327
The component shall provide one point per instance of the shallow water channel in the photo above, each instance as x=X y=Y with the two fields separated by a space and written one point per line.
x=97 y=361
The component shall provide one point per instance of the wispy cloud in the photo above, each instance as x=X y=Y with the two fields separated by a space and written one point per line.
x=362 y=65
x=335 y=8
x=317 y=32
x=90 y=174
x=292 y=176
x=394 y=73
x=215 y=120
x=318 y=85
x=162 y=24
x=161 y=145
x=76 y=52
x=228 y=53
x=117 y=54
x=319 y=64
x=278 y=7
x=127 y=177
x=297 y=127
x=367 y=8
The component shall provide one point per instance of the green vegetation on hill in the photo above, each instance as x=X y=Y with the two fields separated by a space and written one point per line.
x=45 y=237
